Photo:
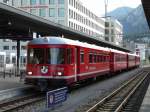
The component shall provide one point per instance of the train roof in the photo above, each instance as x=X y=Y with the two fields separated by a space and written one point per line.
x=133 y=55
x=116 y=51
x=64 y=41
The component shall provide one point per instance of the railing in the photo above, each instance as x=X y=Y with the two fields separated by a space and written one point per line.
x=10 y=70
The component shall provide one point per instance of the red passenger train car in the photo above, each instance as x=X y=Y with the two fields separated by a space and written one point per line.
x=118 y=61
x=137 y=61
x=56 y=61
x=131 y=61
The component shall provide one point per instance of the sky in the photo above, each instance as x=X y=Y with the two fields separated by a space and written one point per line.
x=98 y=6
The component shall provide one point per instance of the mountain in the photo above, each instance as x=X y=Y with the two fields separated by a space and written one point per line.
x=120 y=12
x=133 y=20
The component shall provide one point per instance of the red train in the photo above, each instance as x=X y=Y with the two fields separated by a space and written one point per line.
x=58 y=61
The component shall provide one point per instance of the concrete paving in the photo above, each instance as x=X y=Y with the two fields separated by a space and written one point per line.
x=11 y=82
x=145 y=107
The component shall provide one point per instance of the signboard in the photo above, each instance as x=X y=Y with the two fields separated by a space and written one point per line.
x=56 y=96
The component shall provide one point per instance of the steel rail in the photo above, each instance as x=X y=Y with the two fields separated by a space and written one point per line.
x=20 y=102
x=94 y=108
x=120 y=107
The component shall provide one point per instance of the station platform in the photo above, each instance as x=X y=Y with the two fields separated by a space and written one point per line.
x=10 y=83
x=145 y=107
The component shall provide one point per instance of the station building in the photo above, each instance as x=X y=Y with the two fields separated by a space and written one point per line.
x=71 y=13
x=114 y=31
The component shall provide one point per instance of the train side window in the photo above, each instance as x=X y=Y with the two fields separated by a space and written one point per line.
x=69 y=56
x=90 y=57
x=81 y=56
x=104 y=58
x=94 y=57
x=98 y=58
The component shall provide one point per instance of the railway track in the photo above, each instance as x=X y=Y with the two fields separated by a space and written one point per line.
x=19 y=102
x=116 y=101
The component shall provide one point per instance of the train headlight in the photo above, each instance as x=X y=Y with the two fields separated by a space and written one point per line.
x=59 y=73
x=29 y=73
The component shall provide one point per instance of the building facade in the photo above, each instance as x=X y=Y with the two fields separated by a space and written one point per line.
x=113 y=31
x=71 y=13
x=10 y=49
x=141 y=50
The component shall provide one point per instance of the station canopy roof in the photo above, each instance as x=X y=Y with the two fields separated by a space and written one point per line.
x=20 y=25
x=146 y=7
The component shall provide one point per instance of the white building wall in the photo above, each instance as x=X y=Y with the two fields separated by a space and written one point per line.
x=115 y=31
x=81 y=19
x=141 y=48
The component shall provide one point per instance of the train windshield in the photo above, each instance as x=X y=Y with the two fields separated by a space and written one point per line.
x=36 y=56
x=55 y=56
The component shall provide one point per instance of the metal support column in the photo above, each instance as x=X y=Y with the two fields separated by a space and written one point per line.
x=18 y=57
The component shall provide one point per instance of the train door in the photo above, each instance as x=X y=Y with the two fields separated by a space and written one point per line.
x=111 y=63
x=76 y=62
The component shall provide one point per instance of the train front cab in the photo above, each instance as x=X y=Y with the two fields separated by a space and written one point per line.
x=53 y=65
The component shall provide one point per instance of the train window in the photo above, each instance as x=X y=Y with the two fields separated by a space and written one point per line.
x=95 y=58
x=69 y=56
x=82 y=57
x=90 y=58
x=98 y=58
x=36 y=56
x=55 y=56
x=104 y=58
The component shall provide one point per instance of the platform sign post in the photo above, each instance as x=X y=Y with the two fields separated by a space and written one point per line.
x=57 y=96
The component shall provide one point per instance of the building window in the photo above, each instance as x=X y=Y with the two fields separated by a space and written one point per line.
x=32 y=2
x=6 y=47
x=23 y=47
x=14 y=47
x=107 y=24
x=106 y=31
x=7 y=59
x=33 y=11
x=42 y=12
x=24 y=2
x=52 y=12
x=112 y=31
x=61 y=12
x=60 y=1
x=42 y=2
x=51 y=1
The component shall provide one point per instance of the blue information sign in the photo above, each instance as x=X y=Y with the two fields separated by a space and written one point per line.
x=56 y=96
